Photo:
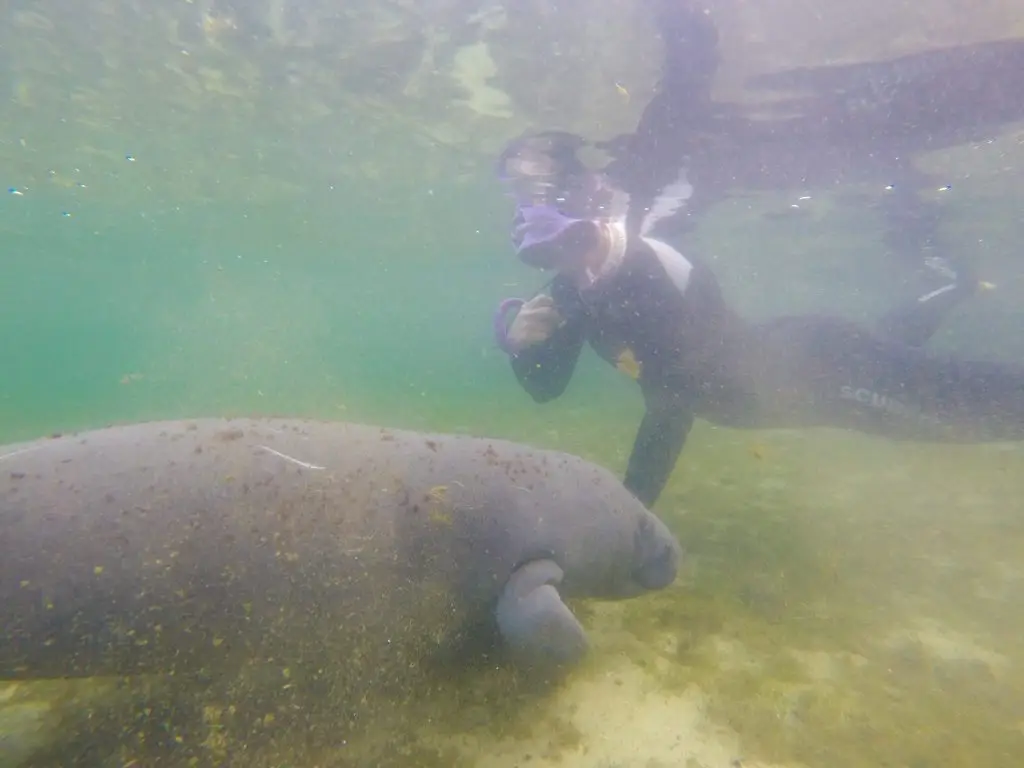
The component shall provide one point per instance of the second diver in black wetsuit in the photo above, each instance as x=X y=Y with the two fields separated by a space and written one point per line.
x=661 y=318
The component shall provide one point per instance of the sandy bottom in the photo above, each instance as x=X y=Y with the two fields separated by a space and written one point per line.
x=616 y=715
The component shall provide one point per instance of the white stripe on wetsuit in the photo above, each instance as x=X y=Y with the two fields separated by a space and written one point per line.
x=668 y=202
x=936 y=292
x=676 y=265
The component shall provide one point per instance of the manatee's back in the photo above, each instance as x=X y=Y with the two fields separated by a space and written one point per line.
x=178 y=546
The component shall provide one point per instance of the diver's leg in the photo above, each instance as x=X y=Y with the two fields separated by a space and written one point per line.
x=858 y=380
x=912 y=222
x=915 y=322
x=912 y=233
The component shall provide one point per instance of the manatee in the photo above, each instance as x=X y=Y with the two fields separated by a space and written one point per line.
x=181 y=547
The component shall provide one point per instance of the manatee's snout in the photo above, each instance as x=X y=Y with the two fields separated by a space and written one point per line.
x=656 y=554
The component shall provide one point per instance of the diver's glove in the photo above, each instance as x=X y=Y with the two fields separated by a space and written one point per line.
x=536 y=320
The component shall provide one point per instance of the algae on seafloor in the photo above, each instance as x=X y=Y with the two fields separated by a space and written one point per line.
x=843 y=603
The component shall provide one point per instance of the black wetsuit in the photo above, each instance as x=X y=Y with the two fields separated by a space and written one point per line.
x=696 y=357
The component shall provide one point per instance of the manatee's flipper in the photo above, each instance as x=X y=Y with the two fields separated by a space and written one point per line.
x=538 y=627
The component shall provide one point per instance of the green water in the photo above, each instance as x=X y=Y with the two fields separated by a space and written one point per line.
x=219 y=310
x=847 y=602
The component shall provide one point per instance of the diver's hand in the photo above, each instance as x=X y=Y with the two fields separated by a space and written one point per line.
x=536 y=320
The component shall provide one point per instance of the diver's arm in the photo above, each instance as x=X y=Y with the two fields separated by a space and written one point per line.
x=653 y=162
x=544 y=369
x=659 y=441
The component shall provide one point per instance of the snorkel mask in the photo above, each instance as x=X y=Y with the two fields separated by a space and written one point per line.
x=556 y=196
x=558 y=201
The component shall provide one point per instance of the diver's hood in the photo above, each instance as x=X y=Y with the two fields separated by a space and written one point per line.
x=545 y=169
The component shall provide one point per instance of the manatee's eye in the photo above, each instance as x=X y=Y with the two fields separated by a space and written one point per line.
x=655 y=556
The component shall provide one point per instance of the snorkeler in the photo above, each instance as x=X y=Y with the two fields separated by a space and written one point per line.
x=661 y=318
